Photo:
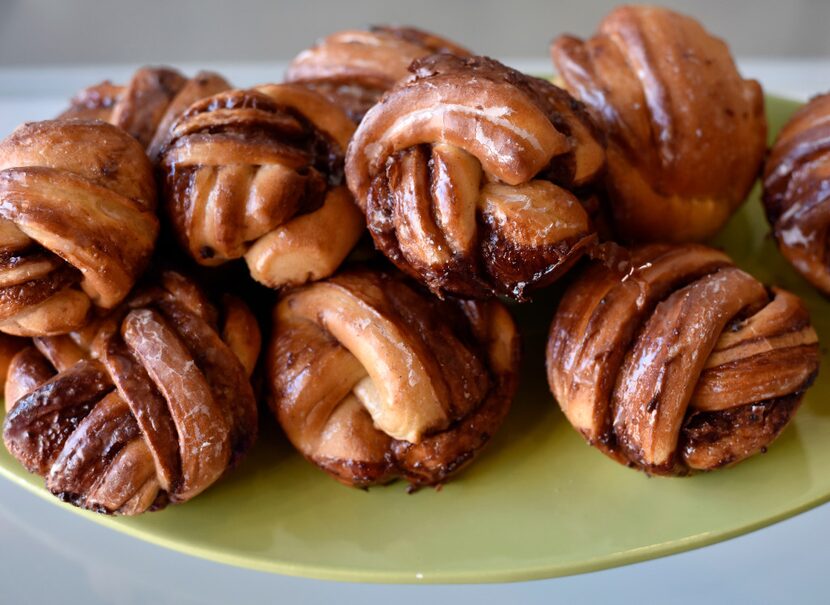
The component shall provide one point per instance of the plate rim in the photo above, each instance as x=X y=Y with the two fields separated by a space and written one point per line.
x=357 y=576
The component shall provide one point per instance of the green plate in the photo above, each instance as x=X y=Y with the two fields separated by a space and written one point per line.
x=537 y=503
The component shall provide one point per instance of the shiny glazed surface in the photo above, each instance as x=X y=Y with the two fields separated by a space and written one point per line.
x=670 y=359
x=372 y=380
x=538 y=502
x=685 y=130
x=469 y=175
x=145 y=406
x=796 y=190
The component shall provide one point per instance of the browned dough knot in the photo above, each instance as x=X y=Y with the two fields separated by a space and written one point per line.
x=77 y=223
x=686 y=133
x=797 y=191
x=148 y=105
x=259 y=174
x=469 y=175
x=354 y=68
x=372 y=379
x=671 y=359
x=148 y=405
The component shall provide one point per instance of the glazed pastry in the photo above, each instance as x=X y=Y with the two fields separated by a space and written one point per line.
x=354 y=68
x=672 y=360
x=259 y=174
x=77 y=223
x=149 y=405
x=148 y=105
x=469 y=174
x=373 y=380
x=796 y=186
x=686 y=133
x=9 y=347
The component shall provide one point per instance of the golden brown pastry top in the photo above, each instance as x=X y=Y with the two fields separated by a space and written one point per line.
x=671 y=359
x=77 y=223
x=354 y=68
x=259 y=173
x=372 y=379
x=686 y=133
x=797 y=191
x=147 y=106
x=469 y=173
x=149 y=404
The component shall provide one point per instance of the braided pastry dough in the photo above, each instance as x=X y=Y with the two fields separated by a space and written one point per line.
x=686 y=134
x=672 y=360
x=77 y=223
x=354 y=68
x=373 y=380
x=797 y=191
x=146 y=406
x=468 y=175
x=148 y=105
x=258 y=173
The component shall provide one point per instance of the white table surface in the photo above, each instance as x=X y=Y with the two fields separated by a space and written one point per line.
x=50 y=555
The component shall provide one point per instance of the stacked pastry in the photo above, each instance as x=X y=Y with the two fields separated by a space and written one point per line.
x=354 y=68
x=123 y=399
x=668 y=358
x=128 y=382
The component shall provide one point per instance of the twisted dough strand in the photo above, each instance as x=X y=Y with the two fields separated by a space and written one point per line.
x=797 y=191
x=467 y=174
x=145 y=406
x=77 y=223
x=354 y=68
x=686 y=133
x=257 y=173
x=671 y=359
x=148 y=105
x=372 y=380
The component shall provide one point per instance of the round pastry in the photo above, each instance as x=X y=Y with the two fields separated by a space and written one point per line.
x=373 y=380
x=259 y=173
x=686 y=133
x=670 y=359
x=797 y=191
x=469 y=175
x=149 y=405
x=354 y=68
x=148 y=105
x=77 y=223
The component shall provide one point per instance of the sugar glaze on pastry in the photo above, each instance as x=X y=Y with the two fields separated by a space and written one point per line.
x=672 y=360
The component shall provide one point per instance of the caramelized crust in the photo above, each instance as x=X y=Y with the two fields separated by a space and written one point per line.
x=670 y=359
x=372 y=380
x=77 y=223
x=686 y=134
x=145 y=406
x=148 y=105
x=9 y=347
x=797 y=191
x=258 y=173
x=94 y=102
x=354 y=68
x=468 y=174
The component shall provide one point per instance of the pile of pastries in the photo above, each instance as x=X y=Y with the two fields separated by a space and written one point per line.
x=350 y=246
